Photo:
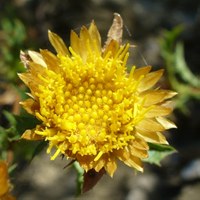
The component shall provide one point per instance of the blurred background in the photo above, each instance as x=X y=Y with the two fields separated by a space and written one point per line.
x=164 y=34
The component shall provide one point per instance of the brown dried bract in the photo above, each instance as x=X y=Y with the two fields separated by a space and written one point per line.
x=116 y=30
x=25 y=58
x=91 y=178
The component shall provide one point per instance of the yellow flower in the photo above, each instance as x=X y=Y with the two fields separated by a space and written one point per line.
x=91 y=109
x=4 y=182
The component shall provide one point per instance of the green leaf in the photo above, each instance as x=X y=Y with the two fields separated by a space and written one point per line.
x=27 y=150
x=158 y=152
x=10 y=117
x=10 y=137
x=18 y=124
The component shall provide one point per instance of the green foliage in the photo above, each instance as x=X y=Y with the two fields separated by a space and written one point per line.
x=181 y=79
x=182 y=68
x=12 y=38
x=158 y=152
x=10 y=138
x=7 y=135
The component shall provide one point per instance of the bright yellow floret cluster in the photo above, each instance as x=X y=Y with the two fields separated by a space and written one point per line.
x=91 y=109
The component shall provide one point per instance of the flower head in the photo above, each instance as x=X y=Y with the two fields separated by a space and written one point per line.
x=91 y=109
x=5 y=185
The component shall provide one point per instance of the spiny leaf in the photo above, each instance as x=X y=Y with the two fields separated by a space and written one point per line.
x=183 y=69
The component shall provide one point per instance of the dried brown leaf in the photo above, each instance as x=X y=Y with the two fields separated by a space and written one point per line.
x=91 y=178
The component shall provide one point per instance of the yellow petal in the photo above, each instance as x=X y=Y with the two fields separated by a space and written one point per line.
x=138 y=152
x=30 y=82
x=36 y=69
x=74 y=42
x=141 y=72
x=140 y=144
x=94 y=34
x=167 y=124
x=51 y=60
x=25 y=78
x=129 y=159
x=150 y=80
x=156 y=96
x=111 y=166
x=30 y=135
x=31 y=78
x=30 y=106
x=99 y=164
x=83 y=42
x=86 y=162
x=84 y=34
x=135 y=163
x=158 y=111
x=153 y=137
x=112 y=47
x=162 y=138
x=37 y=58
x=81 y=45
x=149 y=125
x=58 y=44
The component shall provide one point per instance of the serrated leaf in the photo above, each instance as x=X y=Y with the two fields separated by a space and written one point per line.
x=158 y=152
x=182 y=67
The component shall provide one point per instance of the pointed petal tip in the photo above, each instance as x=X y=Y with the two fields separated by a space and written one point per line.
x=173 y=93
x=93 y=23
x=160 y=72
x=167 y=124
x=30 y=135
x=21 y=102
x=49 y=34
x=49 y=31
x=139 y=168
x=21 y=51
x=37 y=58
x=58 y=43
x=21 y=75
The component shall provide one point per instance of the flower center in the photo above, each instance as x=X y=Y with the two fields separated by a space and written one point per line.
x=89 y=106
